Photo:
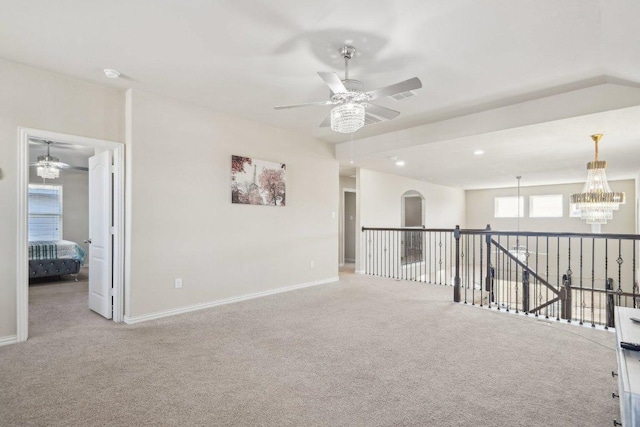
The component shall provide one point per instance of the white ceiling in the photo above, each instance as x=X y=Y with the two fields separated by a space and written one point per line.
x=244 y=57
x=71 y=154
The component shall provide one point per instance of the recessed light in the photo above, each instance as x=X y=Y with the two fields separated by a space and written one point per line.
x=478 y=152
x=111 y=73
x=400 y=163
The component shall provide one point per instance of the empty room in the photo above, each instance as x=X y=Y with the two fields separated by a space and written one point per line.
x=302 y=213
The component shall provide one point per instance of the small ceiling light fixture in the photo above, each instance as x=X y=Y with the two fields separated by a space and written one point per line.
x=597 y=202
x=398 y=162
x=111 y=73
x=478 y=152
x=47 y=165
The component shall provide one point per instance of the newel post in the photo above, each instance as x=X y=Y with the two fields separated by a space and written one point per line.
x=456 y=280
x=565 y=297
x=488 y=284
x=611 y=304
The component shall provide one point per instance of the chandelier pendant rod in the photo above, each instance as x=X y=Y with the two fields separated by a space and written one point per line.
x=596 y=138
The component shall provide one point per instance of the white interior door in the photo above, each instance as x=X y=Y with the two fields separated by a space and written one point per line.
x=100 y=250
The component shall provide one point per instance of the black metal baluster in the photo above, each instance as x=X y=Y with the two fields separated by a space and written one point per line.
x=379 y=253
x=606 y=275
x=546 y=309
x=499 y=276
x=526 y=292
x=620 y=260
x=536 y=286
x=473 y=266
x=558 y=278
x=365 y=248
x=481 y=275
x=394 y=243
x=440 y=258
x=593 y=281
x=633 y=275
x=581 y=289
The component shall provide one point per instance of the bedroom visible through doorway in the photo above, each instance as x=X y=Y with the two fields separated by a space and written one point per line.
x=71 y=220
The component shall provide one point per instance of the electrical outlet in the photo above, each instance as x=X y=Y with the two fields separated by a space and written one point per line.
x=333 y=214
x=312 y=264
x=178 y=282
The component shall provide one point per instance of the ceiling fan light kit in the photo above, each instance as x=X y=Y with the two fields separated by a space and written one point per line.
x=46 y=168
x=48 y=172
x=347 y=118
x=352 y=106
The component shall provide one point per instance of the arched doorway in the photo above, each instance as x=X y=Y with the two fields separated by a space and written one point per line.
x=412 y=217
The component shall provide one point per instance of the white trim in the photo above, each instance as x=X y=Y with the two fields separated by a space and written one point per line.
x=22 y=246
x=119 y=250
x=8 y=340
x=359 y=271
x=22 y=252
x=195 y=307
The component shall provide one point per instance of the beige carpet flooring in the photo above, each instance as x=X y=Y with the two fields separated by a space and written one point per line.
x=361 y=352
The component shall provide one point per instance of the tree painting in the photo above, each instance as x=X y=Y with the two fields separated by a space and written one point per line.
x=257 y=182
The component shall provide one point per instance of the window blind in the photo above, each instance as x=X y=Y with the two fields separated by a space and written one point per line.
x=45 y=212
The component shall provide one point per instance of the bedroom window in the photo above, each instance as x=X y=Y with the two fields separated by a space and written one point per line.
x=45 y=212
x=507 y=207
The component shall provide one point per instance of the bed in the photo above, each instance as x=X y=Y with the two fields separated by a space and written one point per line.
x=55 y=258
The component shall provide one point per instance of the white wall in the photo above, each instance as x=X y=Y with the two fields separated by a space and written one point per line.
x=480 y=206
x=42 y=100
x=184 y=224
x=380 y=203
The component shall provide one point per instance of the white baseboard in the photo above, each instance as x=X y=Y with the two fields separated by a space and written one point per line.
x=341 y=264
x=350 y=260
x=160 y=314
x=11 y=339
x=359 y=271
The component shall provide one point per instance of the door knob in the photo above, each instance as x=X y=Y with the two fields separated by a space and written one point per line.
x=88 y=241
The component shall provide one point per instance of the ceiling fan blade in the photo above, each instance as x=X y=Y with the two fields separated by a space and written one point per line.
x=383 y=112
x=333 y=81
x=60 y=165
x=326 y=122
x=405 y=86
x=75 y=168
x=370 y=119
x=307 y=104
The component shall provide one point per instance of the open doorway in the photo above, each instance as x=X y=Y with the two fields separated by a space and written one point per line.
x=348 y=234
x=70 y=225
x=349 y=227
x=412 y=217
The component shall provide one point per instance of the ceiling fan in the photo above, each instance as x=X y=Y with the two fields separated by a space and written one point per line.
x=352 y=106
x=49 y=166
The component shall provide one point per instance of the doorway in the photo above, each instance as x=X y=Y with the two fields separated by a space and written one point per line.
x=111 y=215
x=412 y=205
x=349 y=226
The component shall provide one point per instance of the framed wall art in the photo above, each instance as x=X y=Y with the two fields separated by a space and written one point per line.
x=257 y=182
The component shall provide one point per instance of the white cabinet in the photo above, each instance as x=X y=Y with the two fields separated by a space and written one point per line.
x=628 y=366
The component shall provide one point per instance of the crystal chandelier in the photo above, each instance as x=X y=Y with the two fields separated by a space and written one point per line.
x=47 y=165
x=348 y=117
x=597 y=202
